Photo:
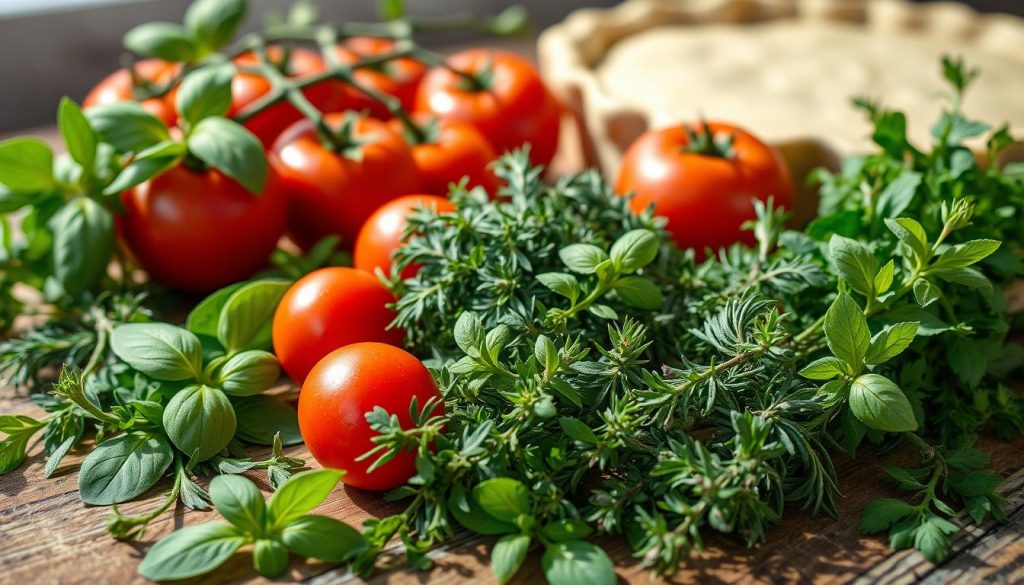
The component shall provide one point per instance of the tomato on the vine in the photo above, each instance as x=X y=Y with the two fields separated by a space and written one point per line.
x=398 y=77
x=247 y=88
x=119 y=87
x=382 y=233
x=341 y=389
x=448 y=151
x=703 y=179
x=501 y=94
x=327 y=309
x=198 y=230
x=333 y=189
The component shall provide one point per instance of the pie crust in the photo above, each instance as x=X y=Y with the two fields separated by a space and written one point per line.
x=784 y=69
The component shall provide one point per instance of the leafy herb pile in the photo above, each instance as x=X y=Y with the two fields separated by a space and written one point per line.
x=597 y=381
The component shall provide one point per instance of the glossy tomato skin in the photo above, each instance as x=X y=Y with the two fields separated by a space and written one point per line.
x=200 y=230
x=382 y=233
x=334 y=193
x=246 y=88
x=117 y=87
x=705 y=198
x=399 y=77
x=454 y=151
x=341 y=389
x=516 y=108
x=327 y=309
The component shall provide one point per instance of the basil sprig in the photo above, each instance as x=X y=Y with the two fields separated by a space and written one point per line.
x=273 y=529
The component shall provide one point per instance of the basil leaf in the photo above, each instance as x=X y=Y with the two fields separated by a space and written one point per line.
x=879 y=403
x=77 y=133
x=163 y=40
x=247 y=317
x=204 y=317
x=300 y=494
x=890 y=342
x=270 y=558
x=604 y=312
x=638 y=292
x=12 y=451
x=123 y=468
x=846 y=331
x=469 y=334
x=508 y=555
x=824 y=368
x=582 y=258
x=468 y=513
x=231 y=149
x=563 y=530
x=127 y=126
x=205 y=92
x=323 y=538
x=855 y=263
x=191 y=551
x=261 y=417
x=561 y=283
x=83 y=242
x=577 y=563
x=200 y=421
x=239 y=501
x=213 y=23
x=149 y=163
x=26 y=165
x=503 y=498
x=161 y=351
x=13 y=200
x=634 y=250
x=248 y=373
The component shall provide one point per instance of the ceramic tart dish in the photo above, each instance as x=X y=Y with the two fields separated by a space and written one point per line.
x=784 y=69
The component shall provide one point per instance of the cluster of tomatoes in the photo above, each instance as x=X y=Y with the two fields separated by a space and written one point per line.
x=195 y=229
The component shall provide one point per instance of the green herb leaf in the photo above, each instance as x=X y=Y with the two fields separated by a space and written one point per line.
x=880 y=404
x=912 y=234
x=883 y=280
x=323 y=538
x=240 y=502
x=565 y=530
x=391 y=9
x=205 y=92
x=127 y=126
x=83 y=242
x=825 y=368
x=213 y=23
x=846 y=331
x=270 y=558
x=262 y=417
x=508 y=555
x=634 y=250
x=855 y=263
x=26 y=165
x=561 y=283
x=300 y=494
x=248 y=373
x=881 y=514
x=148 y=164
x=231 y=149
x=582 y=258
x=963 y=255
x=503 y=498
x=638 y=292
x=161 y=351
x=577 y=563
x=890 y=342
x=163 y=40
x=932 y=538
x=205 y=317
x=247 y=316
x=123 y=468
x=898 y=194
x=191 y=551
x=77 y=133
x=200 y=421
x=472 y=516
x=576 y=429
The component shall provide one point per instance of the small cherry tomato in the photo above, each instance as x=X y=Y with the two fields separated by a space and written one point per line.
x=341 y=389
x=449 y=151
x=327 y=309
x=504 y=98
x=703 y=178
x=246 y=88
x=200 y=230
x=382 y=233
x=398 y=77
x=118 y=87
x=333 y=190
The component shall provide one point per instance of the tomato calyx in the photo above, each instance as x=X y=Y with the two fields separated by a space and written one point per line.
x=342 y=139
x=426 y=132
x=476 y=81
x=704 y=141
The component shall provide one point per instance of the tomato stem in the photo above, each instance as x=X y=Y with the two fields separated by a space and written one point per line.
x=703 y=141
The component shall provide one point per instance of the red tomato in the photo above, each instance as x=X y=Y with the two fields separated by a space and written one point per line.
x=327 y=309
x=246 y=88
x=705 y=194
x=201 y=230
x=338 y=393
x=334 y=192
x=451 y=151
x=118 y=87
x=511 y=107
x=382 y=233
x=398 y=77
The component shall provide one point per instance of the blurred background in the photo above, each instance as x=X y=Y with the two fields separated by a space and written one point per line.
x=51 y=48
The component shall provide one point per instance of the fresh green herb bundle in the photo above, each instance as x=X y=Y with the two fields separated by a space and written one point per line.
x=597 y=380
